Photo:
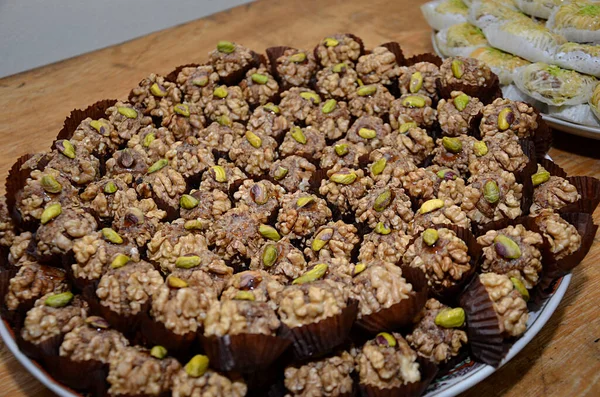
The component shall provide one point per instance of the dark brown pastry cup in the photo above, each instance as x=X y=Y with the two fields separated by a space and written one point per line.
x=86 y=376
x=235 y=77
x=426 y=57
x=483 y=327
x=243 y=352
x=588 y=187
x=354 y=37
x=317 y=339
x=38 y=351
x=482 y=229
x=5 y=275
x=542 y=138
x=78 y=282
x=486 y=93
x=395 y=49
x=95 y=111
x=155 y=333
x=172 y=76
x=400 y=314
x=428 y=371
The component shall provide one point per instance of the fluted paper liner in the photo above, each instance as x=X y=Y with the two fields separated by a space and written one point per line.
x=486 y=93
x=524 y=176
x=426 y=57
x=542 y=137
x=483 y=326
x=400 y=314
x=88 y=376
x=356 y=38
x=38 y=351
x=317 y=339
x=428 y=372
x=8 y=315
x=172 y=76
x=395 y=49
x=95 y=111
x=156 y=333
x=272 y=54
x=243 y=352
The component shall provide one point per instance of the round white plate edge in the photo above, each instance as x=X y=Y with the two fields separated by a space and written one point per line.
x=561 y=125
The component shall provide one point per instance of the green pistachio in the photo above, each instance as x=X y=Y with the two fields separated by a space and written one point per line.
x=51 y=212
x=259 y=78
x=378 y=166
x=382 y=229
x=317 y=272
x=271 y=108
x=128 y=112
x=148 y=139
x=259 y=194
x=226 y=47
x=519 y=286
x=461 y=102
x=458 y=68
x=450 y=318
x=112 y=236
x=453 y=145
x=540 y=177
x=269 y=232
x=158 y=90
x=385 y=339
x=383 y=200
x=367 y=90
x=431 y=205
x=220 y=174
x=304 y=201
x=176 y=282
x=59 y=300
x=298 y=135
x=200 y=81
x=187 y=262
x=182 y=109
x=66 y=148
x=50 y=184
x=221 y=92
x=244 y=296
x=339 y=67
x=404 y=127
x=447 y=174
x=359 y=82
x=311 y=96
x=280 y=173
x=416 y=82
x=97 y=322
x=224 y=120
x=507 y=247
x=253 y=139
x=101 y=127
x=188 y=202
x=321 y=239
x=197 y=366
x=367 y=133
x=269 y=256
x=196 y=224
x=491 y=192
x=331 y=42
x=359 y=268
x=430 y=236
x=480 y=148
x=158 y=352
x=413 y=101
x=329 y=106
x=344 y=178
x=505 y=118
x=341 y=149
x=119 y=261
x=297 y=58
x=157 y=166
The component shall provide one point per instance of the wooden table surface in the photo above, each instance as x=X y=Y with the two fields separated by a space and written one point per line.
x=562 y=360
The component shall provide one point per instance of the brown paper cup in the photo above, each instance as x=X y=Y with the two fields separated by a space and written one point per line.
x=172 y=76
x=426 y=57
x=483 y=328
x=542 y=138
x=155 y=333
x=402 y=313
x=317 y=339
x=243 y=352
x=38 y=351
x=86 y=376
x=524 y=176
x=486 y=93
x=428 y=371
x=397 y=51
x=95 y=111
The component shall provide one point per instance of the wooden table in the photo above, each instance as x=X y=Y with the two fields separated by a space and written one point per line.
x=563 y=360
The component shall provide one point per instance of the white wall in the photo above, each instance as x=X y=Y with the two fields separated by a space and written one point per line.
x=38 y=32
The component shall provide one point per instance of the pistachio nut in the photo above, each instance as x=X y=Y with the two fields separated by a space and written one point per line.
x=298 y=135
x=134 y=216
x=50 y=184
x=271 y=108
x=453 y=145
x=385 y=339
x=413 y=101
x=148 y=139
x=176 y=282
x=378 y=166
x=366 y=90
x=383 y=200
x=367 y=133
x=304 y=201
x=416 y=82
x=447 y=174
x=226 y=47
x=491 y=192
x=112 y=236
x=269 y=256
x=382 y=229
x=187 y=262
x=480 y=148
x=341 y=149
x=195 y=224
x=51 y=212
x=126 y=159
x=359 y=268
x=317 y=272
x=220 y=174
x=431 y=205
x=224 y=120
x=59 y=300
x=260 y=78
x=339 y=67
x=128 y=112
x=269 y=232
x=188 y=202
x=253 y=139
x=540 y=177
x=458 y=68
x=244 y=296
x=404 y=127
x=158 y=90
x=280 y=173
x=359 y=82
x=321 y=239
x=311 y=96
x=505 y=118
x=430 y=236
x=158 y=352
x=461 y=102
x=297 y=58
x=507 y=247
x=197 y=366
x=99 y=126
x=119 y=261
x=182 y=109
x=450 y=318
x=329 y=106
x=344 y=178
x=259 y=194
x=221 y=92
x=200 y=81
x=519 y=286
x=330 y=42
x=97 y=322
x=66 y=148
x=158 y=165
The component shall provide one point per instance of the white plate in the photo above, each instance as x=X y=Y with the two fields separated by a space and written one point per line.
x=464 y=375
x=558 y=124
